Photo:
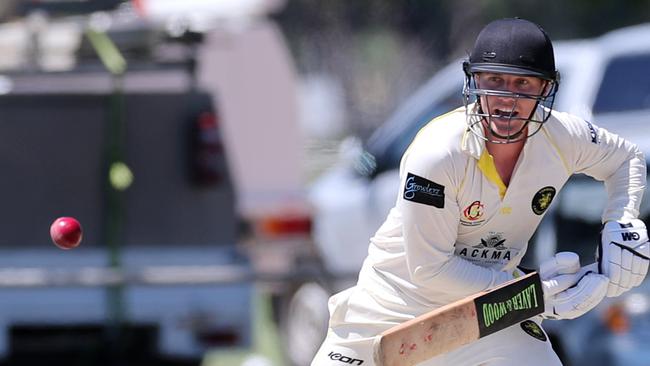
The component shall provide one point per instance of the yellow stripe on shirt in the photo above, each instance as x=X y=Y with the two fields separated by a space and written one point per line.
x=486 y=165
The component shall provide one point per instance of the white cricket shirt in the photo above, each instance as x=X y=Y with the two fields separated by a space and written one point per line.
x=456 y=229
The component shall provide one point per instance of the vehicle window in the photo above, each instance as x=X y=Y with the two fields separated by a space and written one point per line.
x=389 y=157
x=164 y=206
x=625 y=85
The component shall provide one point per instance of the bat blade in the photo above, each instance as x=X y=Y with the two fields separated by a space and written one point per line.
x=459 y=323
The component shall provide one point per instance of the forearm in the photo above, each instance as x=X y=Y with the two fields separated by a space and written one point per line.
x=458 y=276
x=625 y=190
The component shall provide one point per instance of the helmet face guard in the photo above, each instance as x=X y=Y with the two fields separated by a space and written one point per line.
x=512 y=47
x=478 y=115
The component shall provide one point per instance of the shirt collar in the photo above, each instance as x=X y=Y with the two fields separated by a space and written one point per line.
x=471 y=143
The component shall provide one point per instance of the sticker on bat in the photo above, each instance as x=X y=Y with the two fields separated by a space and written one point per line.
x=509 y=305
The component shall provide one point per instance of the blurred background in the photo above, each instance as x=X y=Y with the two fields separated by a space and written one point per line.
x=229 y=160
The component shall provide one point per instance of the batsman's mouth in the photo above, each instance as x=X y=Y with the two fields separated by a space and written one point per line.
x=504 y=115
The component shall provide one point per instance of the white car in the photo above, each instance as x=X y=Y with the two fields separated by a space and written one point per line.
x=603 y=80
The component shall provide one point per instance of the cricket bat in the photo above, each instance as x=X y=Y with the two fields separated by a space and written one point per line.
x=459 y=323
x=464 y=321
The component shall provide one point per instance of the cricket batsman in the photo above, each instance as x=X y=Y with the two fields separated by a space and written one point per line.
x=475 y=184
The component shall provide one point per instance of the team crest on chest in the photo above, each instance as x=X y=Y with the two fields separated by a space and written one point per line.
x=473 y=214
x=542 y=199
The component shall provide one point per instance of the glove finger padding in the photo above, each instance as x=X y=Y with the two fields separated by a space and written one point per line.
x=639 y=269
x=560 y=263
x=626 y=269
x=579 y=299
x=558 y=284
x=624 y=255
x=558 y=274
x=612 y=269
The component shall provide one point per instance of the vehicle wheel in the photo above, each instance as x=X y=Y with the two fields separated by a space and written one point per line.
x=304 y=323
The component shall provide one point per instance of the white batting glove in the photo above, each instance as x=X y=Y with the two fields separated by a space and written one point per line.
x=569 y=291
x=623 y=255
x=557 y=274
x=579 y=299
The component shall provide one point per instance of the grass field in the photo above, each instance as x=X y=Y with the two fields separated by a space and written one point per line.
x=267 y=347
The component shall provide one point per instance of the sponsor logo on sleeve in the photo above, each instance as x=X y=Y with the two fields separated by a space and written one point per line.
x=422 y=190
x=542 y=200
x=593 y=132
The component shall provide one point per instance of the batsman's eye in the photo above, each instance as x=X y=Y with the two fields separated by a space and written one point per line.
x=526 y=86
x=491 y=82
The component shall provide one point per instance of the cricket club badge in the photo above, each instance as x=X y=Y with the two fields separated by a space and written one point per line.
x=532 y=329
x=473 y=214
x=542 y=199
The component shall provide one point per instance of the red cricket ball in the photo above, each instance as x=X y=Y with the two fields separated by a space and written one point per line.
x=66 y=232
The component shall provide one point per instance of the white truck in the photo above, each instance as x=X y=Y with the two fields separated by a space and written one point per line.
x=160 y=162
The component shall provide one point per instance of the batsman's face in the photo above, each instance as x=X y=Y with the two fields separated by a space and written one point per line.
x=509 y=108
